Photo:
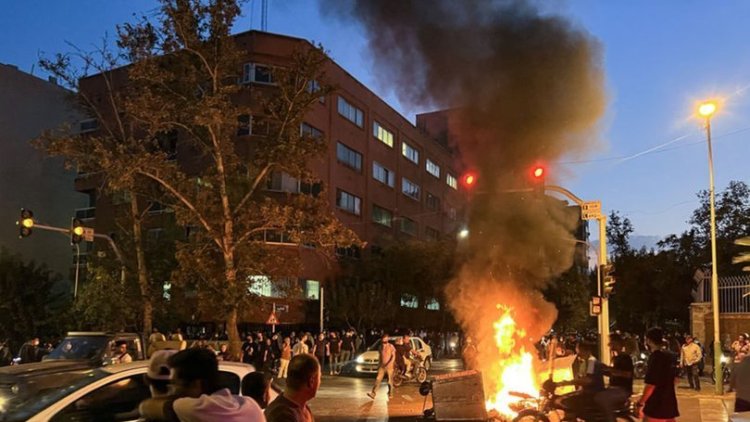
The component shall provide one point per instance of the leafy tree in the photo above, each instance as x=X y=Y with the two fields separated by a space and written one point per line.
x=105 y=303
x=570 y=293
x=618 y=234
x=32 y=304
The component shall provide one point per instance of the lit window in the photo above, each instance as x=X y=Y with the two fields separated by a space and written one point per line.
x=312 y=290
x=348 y=156
x=382 y=134
x=409 y=226
x=432 y=168
x=383 y=175
x=410 y=153
x=432 y=304
x=351 y=113
x=451 y=181
x=382 y=216
x=260 y=285
x=409 y=301
x=410 y=188
x=348 y=202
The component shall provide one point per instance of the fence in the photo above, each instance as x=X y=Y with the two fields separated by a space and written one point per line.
x=734 y=293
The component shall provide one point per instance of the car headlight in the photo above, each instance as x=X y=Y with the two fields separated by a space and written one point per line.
x=724 y=359
x=360 y=359
x=14 y=388
x=452 y=344
x=643 y=356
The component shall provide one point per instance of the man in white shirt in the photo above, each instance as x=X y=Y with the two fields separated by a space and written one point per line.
x=121 y=353
x=690 y=356
x=301 y=347
x=197 y=397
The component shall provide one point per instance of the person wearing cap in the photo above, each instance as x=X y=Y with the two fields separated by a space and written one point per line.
x=197 y=396
x=157 y=375
x=121 y=353
x=659 y=401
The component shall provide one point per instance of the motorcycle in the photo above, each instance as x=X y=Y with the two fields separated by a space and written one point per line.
x=417 y=372
x=536 y=409
x=725 y=370
x=640 y=364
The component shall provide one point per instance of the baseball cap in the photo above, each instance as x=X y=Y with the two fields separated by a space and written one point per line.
x=158 y=369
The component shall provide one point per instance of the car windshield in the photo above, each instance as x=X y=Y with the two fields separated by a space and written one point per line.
x=79 y=348
x=32 y=399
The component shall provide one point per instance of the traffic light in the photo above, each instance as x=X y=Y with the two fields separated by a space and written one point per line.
x=743 y=257
x=538 y=175
x=76 y=231
x=608 y=279
x=25 y=223
x=469 y=180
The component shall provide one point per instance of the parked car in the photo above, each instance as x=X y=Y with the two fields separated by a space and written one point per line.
x=95 y=349
x=108 y=393
x=369 y=361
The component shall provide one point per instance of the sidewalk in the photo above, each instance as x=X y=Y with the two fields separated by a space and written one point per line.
x=699 y=406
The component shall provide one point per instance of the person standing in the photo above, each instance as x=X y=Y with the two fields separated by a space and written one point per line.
x=347 y=347
x=740 y=348
x=659 y=401
x=248 y=350
x=29 y=351
x=620 y=379
x=286 y=356
x=156 y=336
x=177 y=336
x=387 y=363
x=334 y=345
x=321 y=351
x=302 y=385
x=690 y=356
x=740 y=381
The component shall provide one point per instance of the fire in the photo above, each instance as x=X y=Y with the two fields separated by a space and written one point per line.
x=513 y=371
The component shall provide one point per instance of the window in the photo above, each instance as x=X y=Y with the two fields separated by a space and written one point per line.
x=432 y=304
x=118 y=198
x=348 y=202
x=409 y=226
x=410 y=188
x=353 y=114
x=106 y=402
x=156 y=207
x=432 y=202
x=314 y=86
x=89 y=125
x=409 y=301
x=382 y=134
x=409 y=152
x=451 y=211
x=383 y=175
x=166 y=290
x=312 y=290
x=278 y=181
x=431 y=234
x=261 y=285
x=432 y=168
x=243 y=125
x=254 y=72
x=310 y=131
x=351 y=252
x=451 y=181
x=382 y=216
x=348 y=156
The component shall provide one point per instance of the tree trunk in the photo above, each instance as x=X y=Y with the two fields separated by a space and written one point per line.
x=142 y=271
x=233 y=333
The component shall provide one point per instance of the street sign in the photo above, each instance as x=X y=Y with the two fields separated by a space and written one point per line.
x=272 y=320
x=282 y=308
x=591 y=210
x=88 y=234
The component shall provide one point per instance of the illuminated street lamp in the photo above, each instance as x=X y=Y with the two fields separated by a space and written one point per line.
x=463 y=234
x=706 y=110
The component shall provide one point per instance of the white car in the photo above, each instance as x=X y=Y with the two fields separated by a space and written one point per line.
x=369 y=361
x=109 y=393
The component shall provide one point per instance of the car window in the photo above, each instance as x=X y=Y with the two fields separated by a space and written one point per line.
x=116 y=401
x=415 y=344
x=229 y=380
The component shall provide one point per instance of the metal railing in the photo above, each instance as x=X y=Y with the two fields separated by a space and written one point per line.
x=734 y=293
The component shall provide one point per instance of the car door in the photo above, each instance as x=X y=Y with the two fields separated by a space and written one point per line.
x=117 y=400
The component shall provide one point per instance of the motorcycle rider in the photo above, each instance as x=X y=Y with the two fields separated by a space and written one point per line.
x=620 y=379
x=400 y=356
x=588 y=373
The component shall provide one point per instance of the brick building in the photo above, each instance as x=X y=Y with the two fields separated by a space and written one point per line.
x=385 y=177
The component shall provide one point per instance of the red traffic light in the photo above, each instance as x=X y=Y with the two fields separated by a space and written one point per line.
x=538 y=172
x=469 y=180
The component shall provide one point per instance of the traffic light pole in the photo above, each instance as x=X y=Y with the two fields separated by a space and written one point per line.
x=603 y=319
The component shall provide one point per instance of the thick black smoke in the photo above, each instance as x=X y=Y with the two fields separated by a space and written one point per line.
x=525 y=88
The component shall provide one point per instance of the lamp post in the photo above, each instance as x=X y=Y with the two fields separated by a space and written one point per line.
x=706 y=110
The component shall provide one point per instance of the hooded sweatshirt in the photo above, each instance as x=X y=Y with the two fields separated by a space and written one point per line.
x=220 y=406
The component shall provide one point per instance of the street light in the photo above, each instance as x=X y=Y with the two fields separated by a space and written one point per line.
x=706 y=110
x=463 y=234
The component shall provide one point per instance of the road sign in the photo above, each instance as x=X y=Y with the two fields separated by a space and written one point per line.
x=272 y=320
x=88 y=234
x=591 y=210
x=282 y=308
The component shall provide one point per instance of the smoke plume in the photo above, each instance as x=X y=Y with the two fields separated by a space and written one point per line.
x=522 y=88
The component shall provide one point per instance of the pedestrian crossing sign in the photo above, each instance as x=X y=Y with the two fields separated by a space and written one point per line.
x=272 y=320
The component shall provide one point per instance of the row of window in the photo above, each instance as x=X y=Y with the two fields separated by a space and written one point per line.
x=411 y=301
x=356 y=116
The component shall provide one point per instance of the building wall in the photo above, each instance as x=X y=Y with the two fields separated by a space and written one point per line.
x=28 y=178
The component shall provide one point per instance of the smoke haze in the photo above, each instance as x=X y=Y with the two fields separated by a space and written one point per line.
x=524 y=88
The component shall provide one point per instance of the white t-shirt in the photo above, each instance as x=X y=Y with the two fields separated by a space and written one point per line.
x=219 y=406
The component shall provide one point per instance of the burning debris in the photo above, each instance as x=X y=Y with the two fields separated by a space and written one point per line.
x=524 y=87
